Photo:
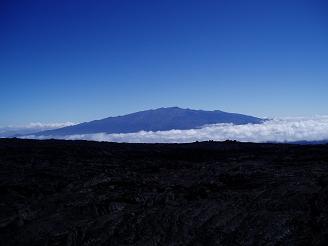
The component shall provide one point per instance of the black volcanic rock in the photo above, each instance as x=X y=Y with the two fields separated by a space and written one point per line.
x=230 y=193
x=161 y=119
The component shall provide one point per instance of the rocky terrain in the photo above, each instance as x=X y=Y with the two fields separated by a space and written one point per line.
x=72 y=193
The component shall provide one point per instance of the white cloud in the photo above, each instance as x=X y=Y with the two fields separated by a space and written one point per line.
x=277 y=130
x=7 y=131
x=38 y=125
x=48 y=126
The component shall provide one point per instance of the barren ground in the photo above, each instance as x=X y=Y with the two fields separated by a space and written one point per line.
x=88 y=193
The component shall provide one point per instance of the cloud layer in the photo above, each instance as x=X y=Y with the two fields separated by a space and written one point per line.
x=276 y=130
x=8 y=131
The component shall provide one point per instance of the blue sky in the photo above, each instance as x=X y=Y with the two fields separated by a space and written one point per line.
x=84 y=60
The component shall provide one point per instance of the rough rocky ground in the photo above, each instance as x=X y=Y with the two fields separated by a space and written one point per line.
x=87 y=193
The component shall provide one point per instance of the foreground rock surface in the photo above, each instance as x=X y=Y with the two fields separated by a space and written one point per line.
x=87 y=193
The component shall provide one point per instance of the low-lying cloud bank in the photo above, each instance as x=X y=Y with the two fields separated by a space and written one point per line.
x=276 y=130
x=9 y=131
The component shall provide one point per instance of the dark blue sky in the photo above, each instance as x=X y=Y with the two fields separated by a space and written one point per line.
x=83 y=60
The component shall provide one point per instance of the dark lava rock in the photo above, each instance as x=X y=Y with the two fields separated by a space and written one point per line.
x=87 y=193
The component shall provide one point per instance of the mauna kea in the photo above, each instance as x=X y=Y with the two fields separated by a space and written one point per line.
x=161 y=119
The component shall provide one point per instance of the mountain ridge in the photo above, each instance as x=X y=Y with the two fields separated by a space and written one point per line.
x=160 y=119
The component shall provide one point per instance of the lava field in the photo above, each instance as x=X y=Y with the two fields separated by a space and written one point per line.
x=56 y=192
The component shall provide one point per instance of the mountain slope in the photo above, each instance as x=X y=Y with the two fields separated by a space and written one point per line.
x=161 y=119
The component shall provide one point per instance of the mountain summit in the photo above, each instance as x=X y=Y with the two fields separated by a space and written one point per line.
x=161 y=119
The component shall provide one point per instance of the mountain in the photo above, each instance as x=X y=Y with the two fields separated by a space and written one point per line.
x=310 y=142
x=161 y=119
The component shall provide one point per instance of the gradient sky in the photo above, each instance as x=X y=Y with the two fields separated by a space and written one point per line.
x=84 y=60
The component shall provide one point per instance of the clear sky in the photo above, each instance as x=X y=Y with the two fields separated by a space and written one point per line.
x=84 y=60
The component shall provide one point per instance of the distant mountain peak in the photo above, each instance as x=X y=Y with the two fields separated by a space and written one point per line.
x=160 y=119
